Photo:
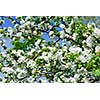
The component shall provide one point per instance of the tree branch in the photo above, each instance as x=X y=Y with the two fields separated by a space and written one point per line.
x=66 y=25
x=16 y=21
x=57 y=41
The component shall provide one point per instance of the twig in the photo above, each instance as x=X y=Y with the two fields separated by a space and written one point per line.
x=16 y=21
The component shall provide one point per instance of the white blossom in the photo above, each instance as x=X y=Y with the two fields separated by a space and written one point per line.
x=74 y=36
x=63 y=67
x=89 y=25
x=51 y=33
x=21 y=74
x=30 y=79
x=97 y=32
x=13 y=51
x=68 y=30
x=74 y=49
x=50 y=55
x=1 y=42
x=34 y=32
x=20 y=52
x=85 y=56
x=31 y=63
x=7 y=69
x=63 y=61
x=62 y=25
x=19 y=34
x=37 y=43
x=31 y=52
x=22 y=21
x=72 y=80
x=62 y=34
x=21 y=59
x=58 y=55
x=76 y=76
x=10 y=30
x=97 y=48
x=89 y=41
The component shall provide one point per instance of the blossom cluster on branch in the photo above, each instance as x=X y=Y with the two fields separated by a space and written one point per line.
x=70 y=55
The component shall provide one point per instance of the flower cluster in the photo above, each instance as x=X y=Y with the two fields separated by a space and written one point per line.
x=70 y=55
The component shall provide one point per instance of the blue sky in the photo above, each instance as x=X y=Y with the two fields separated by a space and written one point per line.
x=45 y=36
x=8 y=41
x=9 y=24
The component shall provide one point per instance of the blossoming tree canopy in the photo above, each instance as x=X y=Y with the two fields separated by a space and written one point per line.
x=70 y=54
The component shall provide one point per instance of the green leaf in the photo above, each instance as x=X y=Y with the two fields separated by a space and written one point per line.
x=96 y=72
x=1 y=31
x=1 y=65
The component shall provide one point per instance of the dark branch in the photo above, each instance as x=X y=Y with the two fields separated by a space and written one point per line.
x=66 y=25
x=57 y=41
x=12 y=19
